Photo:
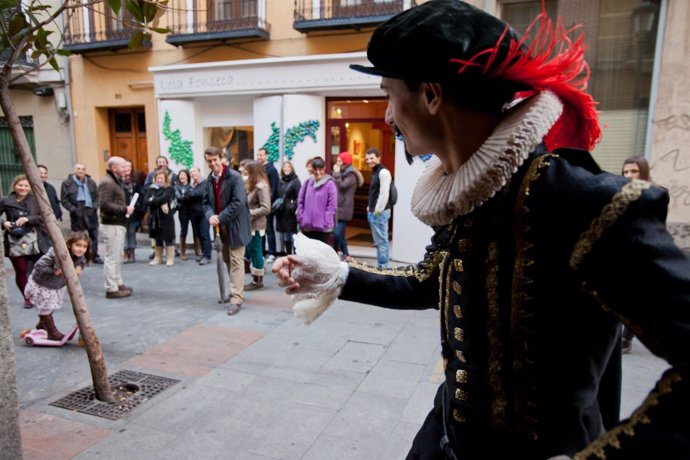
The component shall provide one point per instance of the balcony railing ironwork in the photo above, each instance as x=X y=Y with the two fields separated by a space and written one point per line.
x=97 y=28
x=311 y=15
x=216 y=20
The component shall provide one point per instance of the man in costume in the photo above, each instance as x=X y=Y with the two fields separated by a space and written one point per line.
x=534 y=251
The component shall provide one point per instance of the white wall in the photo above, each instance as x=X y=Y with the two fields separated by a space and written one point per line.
x=299 y=108
x=183 y=116
x=410 y=235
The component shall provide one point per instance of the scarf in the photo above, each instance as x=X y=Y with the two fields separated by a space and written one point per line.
x=83 y=193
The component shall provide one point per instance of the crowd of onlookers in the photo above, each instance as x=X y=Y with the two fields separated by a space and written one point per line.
x=246 y=212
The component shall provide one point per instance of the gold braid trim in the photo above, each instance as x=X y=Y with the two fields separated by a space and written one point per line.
x=498 y=405
x=639 y=417
x=519 y=315
x=609 y=215
x=421 y=271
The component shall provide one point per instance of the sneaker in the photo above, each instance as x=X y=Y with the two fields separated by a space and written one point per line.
x=204 y=261
x=234 y=308
x=122 y=287
x=117 y=294
x=270 y=259
x=98 y=260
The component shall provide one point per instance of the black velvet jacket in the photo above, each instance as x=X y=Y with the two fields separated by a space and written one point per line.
x=531 y=288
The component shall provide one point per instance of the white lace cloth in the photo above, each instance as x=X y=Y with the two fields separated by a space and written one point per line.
x=321 y=277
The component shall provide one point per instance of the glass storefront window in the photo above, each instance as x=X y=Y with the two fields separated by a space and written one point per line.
x=621 y=37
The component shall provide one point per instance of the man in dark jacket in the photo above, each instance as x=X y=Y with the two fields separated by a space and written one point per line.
x=51 y=192
x=537 y=253
x=79 y=196
x=114 y=212
x=226 y=207
x=274 y=182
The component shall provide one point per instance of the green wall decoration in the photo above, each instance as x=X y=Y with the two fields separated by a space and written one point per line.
x=297 y=134
x=180 y=149
x=272 y=143
x=293 y=136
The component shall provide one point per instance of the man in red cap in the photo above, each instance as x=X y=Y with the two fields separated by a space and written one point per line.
x=535 y=248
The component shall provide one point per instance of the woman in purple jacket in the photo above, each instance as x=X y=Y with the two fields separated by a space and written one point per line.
x=317 y=203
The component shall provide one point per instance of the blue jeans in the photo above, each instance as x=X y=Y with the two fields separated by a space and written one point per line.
x=339 y=241
x=379 y=232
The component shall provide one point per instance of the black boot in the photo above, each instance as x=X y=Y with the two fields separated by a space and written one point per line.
x=288 y=247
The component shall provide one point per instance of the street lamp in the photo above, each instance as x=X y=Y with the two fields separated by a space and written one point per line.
x=644 y=18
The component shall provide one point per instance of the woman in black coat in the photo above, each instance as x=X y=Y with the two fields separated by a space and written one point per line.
x=159 y=197
x=21 y=212
x=286 y=214
x=182 y=188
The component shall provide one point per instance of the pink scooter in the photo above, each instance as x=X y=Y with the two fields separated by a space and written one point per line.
x=39 y=337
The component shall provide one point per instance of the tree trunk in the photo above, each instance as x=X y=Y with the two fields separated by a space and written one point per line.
x=93 y=349
x=10 y=439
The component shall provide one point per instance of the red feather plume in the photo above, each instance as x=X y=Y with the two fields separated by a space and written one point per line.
x=555 y=63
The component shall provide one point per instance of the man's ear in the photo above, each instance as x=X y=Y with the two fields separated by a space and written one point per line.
x=432 y=95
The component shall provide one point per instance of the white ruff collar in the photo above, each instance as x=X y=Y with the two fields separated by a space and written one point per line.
x=439 y=198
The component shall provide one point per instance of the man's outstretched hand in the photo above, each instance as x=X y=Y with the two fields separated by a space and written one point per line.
x=282 y=268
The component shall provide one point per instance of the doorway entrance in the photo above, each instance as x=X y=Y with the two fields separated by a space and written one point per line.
x=355 y=125
x=128 y=136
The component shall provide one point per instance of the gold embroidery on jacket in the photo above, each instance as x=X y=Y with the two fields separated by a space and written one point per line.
x=461 y=356
x=457 y=263
x=457 y=288
x=459 y=334
x=525 y=392
x=464 y=245
x=460 y=394
x=461 y=376
x=629 y=193
x=446 y=297
x=421 y=272
x=499 y=403
x=457 y=311
x=639 y=417
x=457 y=416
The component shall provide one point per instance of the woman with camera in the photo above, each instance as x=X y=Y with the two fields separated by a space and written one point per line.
x=25 y=240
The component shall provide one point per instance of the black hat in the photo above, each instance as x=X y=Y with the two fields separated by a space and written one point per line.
x=421 y=43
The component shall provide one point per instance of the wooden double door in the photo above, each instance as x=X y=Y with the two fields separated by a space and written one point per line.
x=128 y=136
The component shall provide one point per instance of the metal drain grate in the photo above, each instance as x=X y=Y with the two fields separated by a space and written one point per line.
x=142 y=386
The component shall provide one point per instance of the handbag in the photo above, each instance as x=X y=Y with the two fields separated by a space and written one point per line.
x=277 y=204
x=25 y=245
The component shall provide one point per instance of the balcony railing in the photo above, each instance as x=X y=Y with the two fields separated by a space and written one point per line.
x=97 y=28
x=312 y=15
x=216 y=20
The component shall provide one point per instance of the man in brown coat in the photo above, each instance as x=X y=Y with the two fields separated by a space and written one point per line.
x=114 y=211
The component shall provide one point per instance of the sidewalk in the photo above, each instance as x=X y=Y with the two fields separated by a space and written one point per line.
x=260 y=385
